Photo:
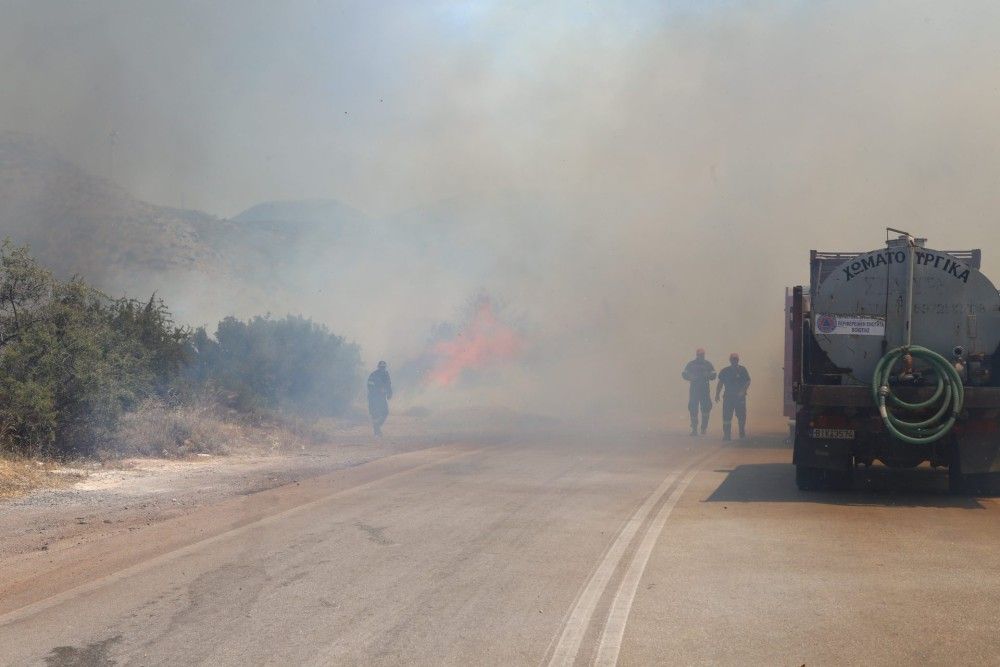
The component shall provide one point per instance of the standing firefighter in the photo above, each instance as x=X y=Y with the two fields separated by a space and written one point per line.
x=736 y=380
x=699 y=372
x=379 y=393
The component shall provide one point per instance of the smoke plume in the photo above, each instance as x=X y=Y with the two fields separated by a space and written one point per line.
x=635 y=179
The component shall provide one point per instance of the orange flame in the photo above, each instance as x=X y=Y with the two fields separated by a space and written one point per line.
x=485 y=341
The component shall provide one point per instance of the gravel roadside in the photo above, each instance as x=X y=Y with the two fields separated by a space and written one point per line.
x=101 y=501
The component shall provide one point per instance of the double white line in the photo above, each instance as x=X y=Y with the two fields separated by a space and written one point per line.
x=568 y=647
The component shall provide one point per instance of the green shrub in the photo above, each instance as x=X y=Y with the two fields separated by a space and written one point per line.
x=72 y=361
x=166 y=348
x=82 y=373
x=291 y=364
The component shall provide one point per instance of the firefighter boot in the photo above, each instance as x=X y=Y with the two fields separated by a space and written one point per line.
x=727 y=429
x=704 y=422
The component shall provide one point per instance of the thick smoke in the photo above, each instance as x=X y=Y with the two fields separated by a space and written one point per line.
x=633 y=182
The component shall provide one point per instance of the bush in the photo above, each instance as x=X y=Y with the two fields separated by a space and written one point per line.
x=82 y=373
x=291 y=364
x=166 y=349
x=73 y=361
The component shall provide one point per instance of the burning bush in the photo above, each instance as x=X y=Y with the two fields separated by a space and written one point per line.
x=484 y=341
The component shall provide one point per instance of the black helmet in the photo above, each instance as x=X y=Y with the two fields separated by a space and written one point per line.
x=381 y=364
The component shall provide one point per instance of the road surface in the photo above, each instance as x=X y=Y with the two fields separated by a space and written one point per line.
x=660 y=549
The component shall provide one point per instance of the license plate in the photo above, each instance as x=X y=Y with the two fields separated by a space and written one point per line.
x=833 y=434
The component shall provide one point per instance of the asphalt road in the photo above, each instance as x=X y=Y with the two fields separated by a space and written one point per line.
x=648 y=550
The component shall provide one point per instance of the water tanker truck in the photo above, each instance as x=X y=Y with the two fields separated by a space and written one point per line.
x=893 y=355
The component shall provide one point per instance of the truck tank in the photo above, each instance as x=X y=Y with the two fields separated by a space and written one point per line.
x=893 y=354
x=860 y=309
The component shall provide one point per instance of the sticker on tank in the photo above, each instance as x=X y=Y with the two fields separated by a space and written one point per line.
x=850 y=325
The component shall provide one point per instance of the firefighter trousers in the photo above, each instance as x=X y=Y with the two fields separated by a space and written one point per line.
x=699 y=397
x=730 y=405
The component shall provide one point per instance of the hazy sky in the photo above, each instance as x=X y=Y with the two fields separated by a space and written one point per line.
x=218 y=105
x=698 y=150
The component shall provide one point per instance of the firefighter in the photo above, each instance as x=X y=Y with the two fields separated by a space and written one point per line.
x=379 y=393
x=699 y=372
x=736 y=380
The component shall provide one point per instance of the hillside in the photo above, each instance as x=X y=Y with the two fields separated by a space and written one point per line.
x=373 y=279
x=78 y=223
x=319 y=217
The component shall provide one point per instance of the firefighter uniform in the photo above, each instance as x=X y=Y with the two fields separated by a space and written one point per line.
x=379 y=393
x=735 y=379
x=699 y=372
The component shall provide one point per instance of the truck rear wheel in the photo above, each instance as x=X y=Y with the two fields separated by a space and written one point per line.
x=956 y=480
x=982 y=484
x=821 y=479
x=961 y=483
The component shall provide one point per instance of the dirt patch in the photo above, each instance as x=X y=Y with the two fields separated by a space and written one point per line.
x=375 y=534
x=20 y=476
x=92 y=655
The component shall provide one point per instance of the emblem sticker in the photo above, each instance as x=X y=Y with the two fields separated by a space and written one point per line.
x=826 y=324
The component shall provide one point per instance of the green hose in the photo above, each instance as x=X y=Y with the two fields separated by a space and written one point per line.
x=949 y=395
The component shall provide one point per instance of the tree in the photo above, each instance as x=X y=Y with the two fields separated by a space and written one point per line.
x=25 y=289
x=72 y=361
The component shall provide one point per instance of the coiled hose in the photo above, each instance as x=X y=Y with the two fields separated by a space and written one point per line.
x=950 y=395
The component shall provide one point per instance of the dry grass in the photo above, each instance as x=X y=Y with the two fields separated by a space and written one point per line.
x=162 y=431
x=19 y=476
x=156 y=429
x=159 y=430
x=273 y=433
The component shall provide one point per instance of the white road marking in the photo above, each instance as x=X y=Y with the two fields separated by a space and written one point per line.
x=579 y=619
x=614 y=628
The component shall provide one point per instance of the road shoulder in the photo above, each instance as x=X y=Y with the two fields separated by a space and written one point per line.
x=164 y=520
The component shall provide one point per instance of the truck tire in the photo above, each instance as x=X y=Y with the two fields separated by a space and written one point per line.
x=959 y=484
x=970 y=484
x=821 y=479
x=840 y=480
x=982 y=484
x=809 y=479
x=956 y=480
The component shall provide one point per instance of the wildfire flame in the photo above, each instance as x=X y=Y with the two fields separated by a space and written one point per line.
x=484 y=341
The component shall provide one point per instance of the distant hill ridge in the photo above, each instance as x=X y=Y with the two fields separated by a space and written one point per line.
x=311 y=211
x=275 y=256
x=78 y=223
